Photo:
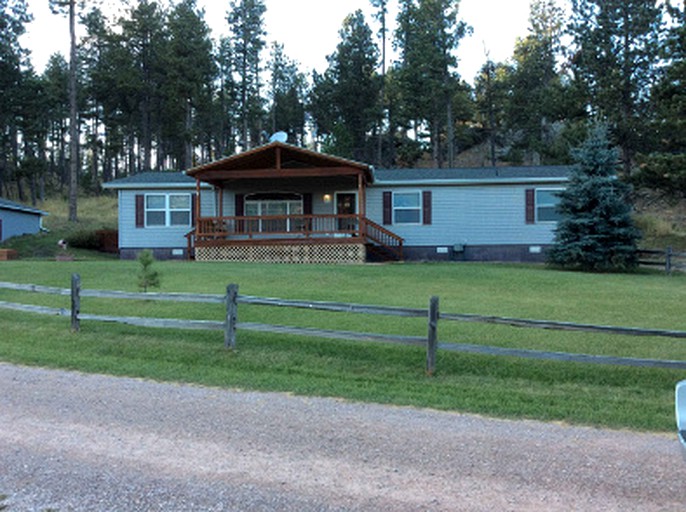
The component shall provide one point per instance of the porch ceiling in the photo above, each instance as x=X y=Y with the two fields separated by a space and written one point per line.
x=280 y=161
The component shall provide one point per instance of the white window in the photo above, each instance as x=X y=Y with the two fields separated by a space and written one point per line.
x=407 y=207
x=547 y=200
x=277 y=207
x=166 y=210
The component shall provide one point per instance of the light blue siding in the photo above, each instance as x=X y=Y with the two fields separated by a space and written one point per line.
x=472 y=215
x=16 y=223
x=131 y=237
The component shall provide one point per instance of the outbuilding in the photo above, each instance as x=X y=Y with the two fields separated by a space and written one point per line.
x=18 y=219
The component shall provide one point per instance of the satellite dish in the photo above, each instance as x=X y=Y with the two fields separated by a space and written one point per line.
x=279 y=137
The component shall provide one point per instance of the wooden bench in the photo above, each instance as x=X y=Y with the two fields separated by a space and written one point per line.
x=8 y=254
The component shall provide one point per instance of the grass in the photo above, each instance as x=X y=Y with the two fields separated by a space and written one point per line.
x=616 y=397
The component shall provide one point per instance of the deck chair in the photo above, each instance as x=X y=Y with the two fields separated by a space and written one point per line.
x=680 y=404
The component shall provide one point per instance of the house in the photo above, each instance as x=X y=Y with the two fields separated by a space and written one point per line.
x=17 y=219
x=282 y=203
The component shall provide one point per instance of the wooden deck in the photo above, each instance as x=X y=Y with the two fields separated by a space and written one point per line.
x=294 y=239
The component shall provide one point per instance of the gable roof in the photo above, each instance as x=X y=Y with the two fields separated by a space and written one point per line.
x=382 y=177
x=151 y=179
x=6 y=204
x=279 y=160
x=474 y=175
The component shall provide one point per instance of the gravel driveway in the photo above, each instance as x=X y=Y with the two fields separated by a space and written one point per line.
x=70 y=441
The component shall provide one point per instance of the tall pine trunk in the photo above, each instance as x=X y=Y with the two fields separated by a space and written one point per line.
x=73 y=118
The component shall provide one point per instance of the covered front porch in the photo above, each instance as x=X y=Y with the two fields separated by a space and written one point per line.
x=281 y=203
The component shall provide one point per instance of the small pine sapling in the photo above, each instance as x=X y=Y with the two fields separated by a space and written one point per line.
x=147 y=277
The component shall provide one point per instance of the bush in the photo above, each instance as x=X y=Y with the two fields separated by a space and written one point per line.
x=84 y=240
x=103 y=240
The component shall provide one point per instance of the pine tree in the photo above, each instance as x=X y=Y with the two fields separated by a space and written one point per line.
x=427 y=36
x=74 y=129
x=345 y=100
x=147 y=277
x=616 y=57
x=596 y=231
x=246 y=19
x=287 y=92
x=664 y=169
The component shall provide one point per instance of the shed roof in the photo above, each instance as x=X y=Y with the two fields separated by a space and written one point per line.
x=6 y=204
x=474 y=175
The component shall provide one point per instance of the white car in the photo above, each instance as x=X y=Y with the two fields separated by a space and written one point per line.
x=680 y=404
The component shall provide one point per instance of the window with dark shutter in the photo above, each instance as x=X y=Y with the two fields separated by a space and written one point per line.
x=530 y=206
x=426 y=207
x=388 y=208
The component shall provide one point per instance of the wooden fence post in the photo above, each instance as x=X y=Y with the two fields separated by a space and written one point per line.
x=432 y=338
x=668 y=260
x=231 y=316
x=75 y=302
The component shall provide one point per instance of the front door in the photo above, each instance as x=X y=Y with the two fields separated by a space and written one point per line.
x=346 y=204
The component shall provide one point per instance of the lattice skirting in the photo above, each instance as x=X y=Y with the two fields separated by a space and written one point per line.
x=325 y=253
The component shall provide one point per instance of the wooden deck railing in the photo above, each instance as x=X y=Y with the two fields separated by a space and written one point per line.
x=381 y=237
x=292 y=227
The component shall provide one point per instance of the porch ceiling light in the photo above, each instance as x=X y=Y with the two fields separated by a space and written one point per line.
x=327 y=198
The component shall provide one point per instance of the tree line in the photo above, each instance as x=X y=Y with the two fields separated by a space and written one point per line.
x=154 y=91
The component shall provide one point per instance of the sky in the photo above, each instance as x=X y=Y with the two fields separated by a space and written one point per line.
x=308 y=29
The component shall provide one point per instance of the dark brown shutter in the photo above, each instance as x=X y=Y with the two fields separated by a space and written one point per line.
x=307 y=204
x=530 y=206
x=194 y=201
x=426 y=207
x=140 y=211
x=239 y=211
x=240 y=205
x=387 y=208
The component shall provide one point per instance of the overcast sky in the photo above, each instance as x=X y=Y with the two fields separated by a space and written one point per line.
x=308 y=29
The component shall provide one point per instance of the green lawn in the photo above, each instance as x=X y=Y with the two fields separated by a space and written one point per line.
x=617 y=397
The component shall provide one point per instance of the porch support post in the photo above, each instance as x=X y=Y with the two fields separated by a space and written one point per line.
x=197 y=203
x=362 y=202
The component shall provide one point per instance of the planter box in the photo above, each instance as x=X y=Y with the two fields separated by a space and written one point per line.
x=8 y=254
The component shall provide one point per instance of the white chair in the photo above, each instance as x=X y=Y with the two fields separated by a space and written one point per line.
x=680 y=405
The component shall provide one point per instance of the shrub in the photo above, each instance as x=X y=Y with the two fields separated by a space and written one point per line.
x=84 y=240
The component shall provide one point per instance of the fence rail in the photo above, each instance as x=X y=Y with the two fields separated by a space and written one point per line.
x=667 y=259
x=231 y=324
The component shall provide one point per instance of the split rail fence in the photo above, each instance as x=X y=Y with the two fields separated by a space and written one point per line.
x=667 y=259
x=230 y=324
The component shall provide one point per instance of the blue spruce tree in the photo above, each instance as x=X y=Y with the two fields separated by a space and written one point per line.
x=596 y=231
